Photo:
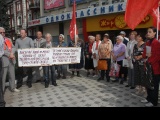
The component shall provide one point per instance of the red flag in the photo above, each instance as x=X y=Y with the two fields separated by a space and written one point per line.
x=155 y=16
x=73 y=26
x=137 y=10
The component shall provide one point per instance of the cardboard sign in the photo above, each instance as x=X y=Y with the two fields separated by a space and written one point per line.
x=48 y=57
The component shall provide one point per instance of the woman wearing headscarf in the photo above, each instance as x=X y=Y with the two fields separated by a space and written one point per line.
x=77 y=67
x=152 y=54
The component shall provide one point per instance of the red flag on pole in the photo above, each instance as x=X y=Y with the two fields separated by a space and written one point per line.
x=73 y=26
x=155 y=16
x=137 y=10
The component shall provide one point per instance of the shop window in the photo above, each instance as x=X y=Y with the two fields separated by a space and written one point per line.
x=19 y=20
x=30 y=17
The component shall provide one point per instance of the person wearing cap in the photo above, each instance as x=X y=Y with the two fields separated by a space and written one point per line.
x=2 y=102
x=61 y=68
x=123 y=34
x=38 y=43
x=104 y=51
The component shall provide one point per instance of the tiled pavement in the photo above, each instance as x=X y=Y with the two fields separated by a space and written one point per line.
x=76 y=92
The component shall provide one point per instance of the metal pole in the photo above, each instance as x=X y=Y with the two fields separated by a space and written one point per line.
x=158 y=23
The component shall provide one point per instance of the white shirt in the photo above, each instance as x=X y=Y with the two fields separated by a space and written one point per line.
x=1 y=46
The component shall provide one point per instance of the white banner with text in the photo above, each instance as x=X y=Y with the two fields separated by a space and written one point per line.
x=48 y=57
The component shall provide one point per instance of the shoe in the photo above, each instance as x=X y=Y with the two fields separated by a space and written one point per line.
x=54 y=84
x=127 y=86
x=58 y=77
x=95 y=76
x=88 y=73
x=115 y=81
x=64 y=77
x=46 y=85
x=18 y=86
x=108 y=80
x=149 y=105
x=132 y=88
x=121 y=82
x=16 y=90
x=29 y=85
x=72 y=76
x=38 y=81
x=100 y=79
x=144 y=101
x=78 y=75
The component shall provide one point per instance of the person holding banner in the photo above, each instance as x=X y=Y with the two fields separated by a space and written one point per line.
x=22 y=43
x=2 y=102
x=38 y=43
x=80 y=65
x=8 y=62
x=49 y=69
x=62 y=68
x=152 y=54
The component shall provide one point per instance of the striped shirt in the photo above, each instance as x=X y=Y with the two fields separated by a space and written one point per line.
x=1 y=46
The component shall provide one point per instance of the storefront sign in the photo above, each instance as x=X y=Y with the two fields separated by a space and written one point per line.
x=50 y=4
x=108 y=9
x=48 y=57
x=77 y=1
x=112 y=22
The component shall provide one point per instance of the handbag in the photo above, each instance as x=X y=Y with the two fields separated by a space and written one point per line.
x=125 y=63
x=102 y=65
x=115 y=69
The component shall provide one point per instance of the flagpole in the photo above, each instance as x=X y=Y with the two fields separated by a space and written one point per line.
x=158 y=23
x=75 y=35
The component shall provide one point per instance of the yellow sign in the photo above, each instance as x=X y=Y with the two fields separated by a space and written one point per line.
x=113 y=22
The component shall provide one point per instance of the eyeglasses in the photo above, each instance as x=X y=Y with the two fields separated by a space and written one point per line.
x=2 y=32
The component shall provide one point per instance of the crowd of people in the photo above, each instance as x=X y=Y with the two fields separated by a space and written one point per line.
x=142 y=72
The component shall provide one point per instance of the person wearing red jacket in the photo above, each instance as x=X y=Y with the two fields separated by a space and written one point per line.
x=153 y=58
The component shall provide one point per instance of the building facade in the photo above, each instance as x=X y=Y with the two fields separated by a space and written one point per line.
x=20 y=12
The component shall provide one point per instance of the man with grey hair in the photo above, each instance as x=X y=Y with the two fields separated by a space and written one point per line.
x=8 y=62
x=22 y=43
x=2 y=102
x=38 y=43
x=47 y=69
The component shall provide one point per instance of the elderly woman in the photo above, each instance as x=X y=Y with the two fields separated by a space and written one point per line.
x=77 y=67
x=118 y=55
x=129 y=56
x=48 y=69
x=153 y=58
x=104 y=51
x=138 y=62
x=61 y=68
x=88 y=55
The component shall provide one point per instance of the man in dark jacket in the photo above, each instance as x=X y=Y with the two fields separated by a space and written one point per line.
x=2 y=102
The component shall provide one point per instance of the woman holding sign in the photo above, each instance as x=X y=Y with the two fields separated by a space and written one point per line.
x=48 y=69
x=152 y=54
x=78 y=66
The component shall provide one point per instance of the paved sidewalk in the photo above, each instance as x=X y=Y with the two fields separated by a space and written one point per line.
x=76 y=92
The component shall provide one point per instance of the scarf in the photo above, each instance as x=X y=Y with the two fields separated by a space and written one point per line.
x=97 y=44
x=7 y=44
x=90 y=47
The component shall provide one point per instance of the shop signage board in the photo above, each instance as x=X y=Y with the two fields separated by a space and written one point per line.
x=93 y=11
x=50 y=4
x=48 y=57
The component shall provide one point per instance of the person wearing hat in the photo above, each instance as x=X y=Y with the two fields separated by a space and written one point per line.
x=61 y=68
x=2 y=102
x=126 y=40
x=104 y=51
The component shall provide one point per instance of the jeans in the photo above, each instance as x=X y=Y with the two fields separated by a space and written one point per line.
x=22 y=71
x=50 y=69
x=153 y=94
x=103 y=72
x=2 y=102
x=62 y=69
